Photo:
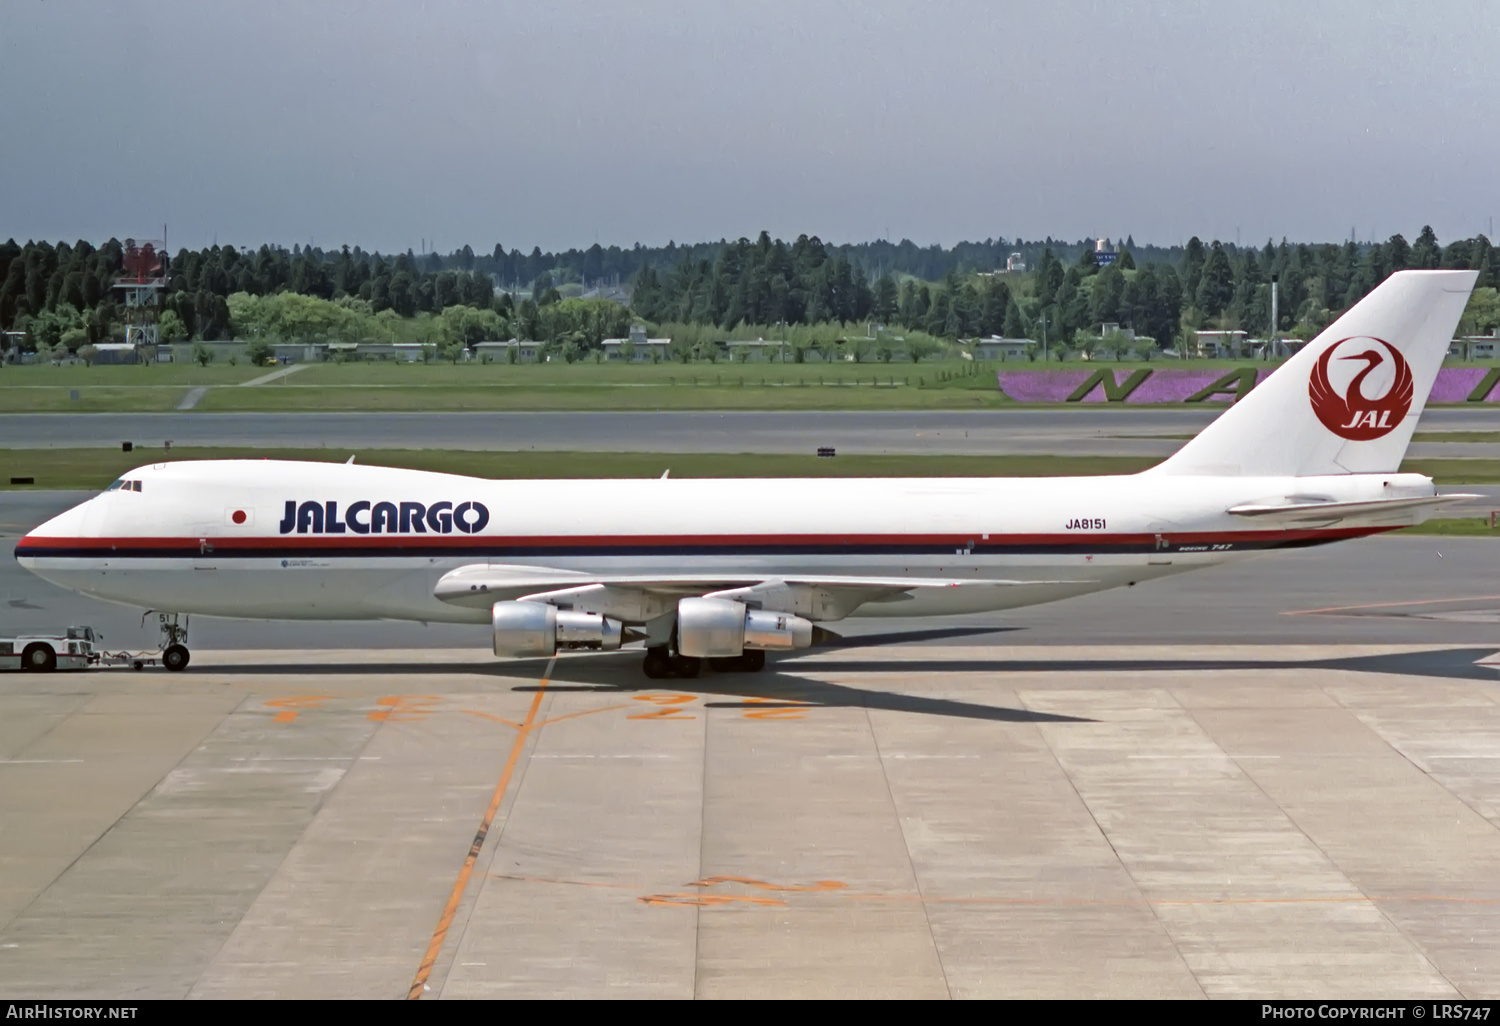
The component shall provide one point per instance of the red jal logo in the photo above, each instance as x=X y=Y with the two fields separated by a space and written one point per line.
x=1354 y=415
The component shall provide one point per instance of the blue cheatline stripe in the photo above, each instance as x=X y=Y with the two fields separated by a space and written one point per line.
x=1274 y=540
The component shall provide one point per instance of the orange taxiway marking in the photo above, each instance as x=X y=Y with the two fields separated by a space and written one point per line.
x=671 y=707
x=750 y=881
x=776 y=709
x=701 y=900
x=709 y=900
x=839 y=889
x=403 y=708
x=542 y=723
x=439 y=935
x=292 y=705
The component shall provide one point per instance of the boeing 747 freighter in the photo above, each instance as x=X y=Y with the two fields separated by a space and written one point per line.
x=727 y=570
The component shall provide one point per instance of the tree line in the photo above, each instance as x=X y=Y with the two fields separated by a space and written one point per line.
x=62 y=294
x=1212 y=285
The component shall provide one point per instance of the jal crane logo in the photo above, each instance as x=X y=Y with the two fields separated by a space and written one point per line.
x=1355 y=415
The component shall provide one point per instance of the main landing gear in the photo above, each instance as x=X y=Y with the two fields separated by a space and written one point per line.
x=752 y=660
x=174 y=650
x=663 y=663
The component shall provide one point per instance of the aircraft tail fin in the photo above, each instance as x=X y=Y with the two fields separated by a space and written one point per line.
x=1349 y=401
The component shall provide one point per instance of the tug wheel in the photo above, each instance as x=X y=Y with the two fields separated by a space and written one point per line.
x=39 y=658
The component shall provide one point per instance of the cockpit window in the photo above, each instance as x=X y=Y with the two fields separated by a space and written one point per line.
x=136 y=485
x=117 y=485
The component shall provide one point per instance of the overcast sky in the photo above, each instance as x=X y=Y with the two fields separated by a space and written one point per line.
x=558 y=124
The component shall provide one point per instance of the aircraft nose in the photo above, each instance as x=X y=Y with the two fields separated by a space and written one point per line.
x=66 y=527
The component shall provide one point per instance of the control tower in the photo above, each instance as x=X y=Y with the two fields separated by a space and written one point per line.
x=143 y=283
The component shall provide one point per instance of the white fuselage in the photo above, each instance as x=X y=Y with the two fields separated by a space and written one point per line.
x=294 y=540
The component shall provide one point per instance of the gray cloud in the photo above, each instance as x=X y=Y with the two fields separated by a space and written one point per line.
x=557 y=123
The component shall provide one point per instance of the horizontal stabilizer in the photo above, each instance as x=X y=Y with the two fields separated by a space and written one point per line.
x=1300 y=511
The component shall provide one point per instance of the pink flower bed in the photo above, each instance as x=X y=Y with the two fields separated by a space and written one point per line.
x=1173 y=386
x=1041 y=386
x=1170 y=385
x=1454 y=384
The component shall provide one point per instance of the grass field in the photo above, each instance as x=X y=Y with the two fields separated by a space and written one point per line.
x=95 y=468
x=1458 y=527
x=391 y=386
x=710 y=392
x=137 y=375
x=140 y=388
x=1456 y=436
x=953 y=384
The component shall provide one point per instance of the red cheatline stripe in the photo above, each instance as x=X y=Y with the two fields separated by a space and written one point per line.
x=463 y=541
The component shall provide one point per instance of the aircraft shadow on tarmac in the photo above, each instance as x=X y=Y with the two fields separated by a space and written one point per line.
x=785 y=686
x=911 y=637
x=1453 y=663
x=764 y=692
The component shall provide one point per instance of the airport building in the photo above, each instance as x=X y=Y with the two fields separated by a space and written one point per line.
x=997 y=348
x=636 y=347
x=501 y=352
x=1219 y=344
x=1476 y=347
x=756 y=348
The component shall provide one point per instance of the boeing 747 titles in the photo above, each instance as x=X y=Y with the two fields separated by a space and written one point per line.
x=728 y=570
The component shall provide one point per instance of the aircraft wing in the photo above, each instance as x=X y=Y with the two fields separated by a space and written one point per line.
x=1304 y=511
x=829 y=597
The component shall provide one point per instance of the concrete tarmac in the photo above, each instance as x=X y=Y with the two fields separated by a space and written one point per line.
x=1290 y=821
x=1277 y=779
x=1083 y=432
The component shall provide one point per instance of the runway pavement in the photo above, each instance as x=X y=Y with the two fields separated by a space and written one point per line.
x=1096 y=431
x=1253 y=821
x=1279 y=779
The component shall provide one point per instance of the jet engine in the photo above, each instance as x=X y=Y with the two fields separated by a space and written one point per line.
x=712 y=628
x=538 y=629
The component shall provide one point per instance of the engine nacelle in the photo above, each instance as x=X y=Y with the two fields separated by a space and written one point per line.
x=537 y=629
x=777 y=631
x=713 y=628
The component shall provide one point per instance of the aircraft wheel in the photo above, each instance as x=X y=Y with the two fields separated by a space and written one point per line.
x=752 y=660
x=175 y=658
x=39 y=658
x=686 y=666
x=658 y=663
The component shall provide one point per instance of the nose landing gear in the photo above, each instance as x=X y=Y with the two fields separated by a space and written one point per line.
x=174 y=650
